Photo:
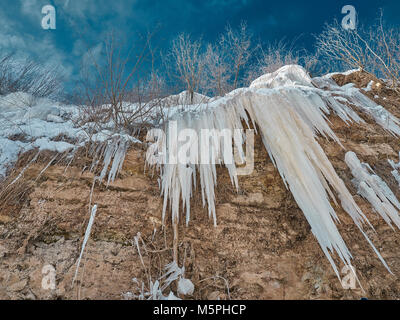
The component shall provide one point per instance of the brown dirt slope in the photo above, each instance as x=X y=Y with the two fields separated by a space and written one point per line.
x=262 y=248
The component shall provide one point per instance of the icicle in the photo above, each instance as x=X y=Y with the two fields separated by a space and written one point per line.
x=289 y=113
x=118 y=161
x=375 y=190
x=337 y=97
x=24 y=169
x=382 y=117
x=173 y=272
x=349 y=94
x=112 y=150
x=85 y=240
x=396 y=175
x=46 y=167
x=344 y=112
x=289 y=139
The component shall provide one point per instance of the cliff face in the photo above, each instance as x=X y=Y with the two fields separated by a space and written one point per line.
x=262 y=248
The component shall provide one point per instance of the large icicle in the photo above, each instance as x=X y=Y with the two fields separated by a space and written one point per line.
x=288 y=136
x=289 y=112
x=179 y=178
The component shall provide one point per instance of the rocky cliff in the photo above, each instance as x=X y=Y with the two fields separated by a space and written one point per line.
x=262 y=248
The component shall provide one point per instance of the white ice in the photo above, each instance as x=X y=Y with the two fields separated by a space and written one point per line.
x=290 y=110
x=374 y=189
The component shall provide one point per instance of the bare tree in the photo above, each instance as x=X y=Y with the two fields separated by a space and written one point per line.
x=216 y=68
x=218 y=72
x=237 y=43
x=277 y=55
x=273 y=56
x=189 y=60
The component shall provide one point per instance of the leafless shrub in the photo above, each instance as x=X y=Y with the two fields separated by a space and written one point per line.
x=342 y=48
x=218 y=70
x=212 y=68
x=385 y=51
x=237 y=45
x=24 y=75
x=277 y=55
x=112 y=91
x=273 y=56
x=189 y=60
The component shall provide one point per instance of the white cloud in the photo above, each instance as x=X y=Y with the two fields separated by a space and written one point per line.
x=33 y=9
x=40 y=47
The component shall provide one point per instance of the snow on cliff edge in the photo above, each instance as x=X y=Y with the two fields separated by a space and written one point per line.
x=290 y=111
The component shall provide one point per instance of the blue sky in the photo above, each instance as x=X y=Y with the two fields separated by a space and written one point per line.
x=83 y=24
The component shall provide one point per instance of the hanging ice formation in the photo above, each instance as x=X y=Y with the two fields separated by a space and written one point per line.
x=110 y=151
x=289 y=109
x=371 y=187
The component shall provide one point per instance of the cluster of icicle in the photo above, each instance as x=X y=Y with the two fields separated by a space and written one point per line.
x=110 y=155
x=371 y=187
x=289 y=109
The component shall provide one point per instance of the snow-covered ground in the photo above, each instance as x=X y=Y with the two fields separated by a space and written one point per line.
x=27 y=123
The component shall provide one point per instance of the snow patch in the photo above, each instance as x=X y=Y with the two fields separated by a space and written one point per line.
x=291 y=75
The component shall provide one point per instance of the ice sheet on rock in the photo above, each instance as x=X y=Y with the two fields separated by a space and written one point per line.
x=27 y=123
x=374 y=189
x=184 y=98
x=346 y=73
x=185 y=287
x=296 y=76
x=57 y=146
x=9 y=151
x=369 y=86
